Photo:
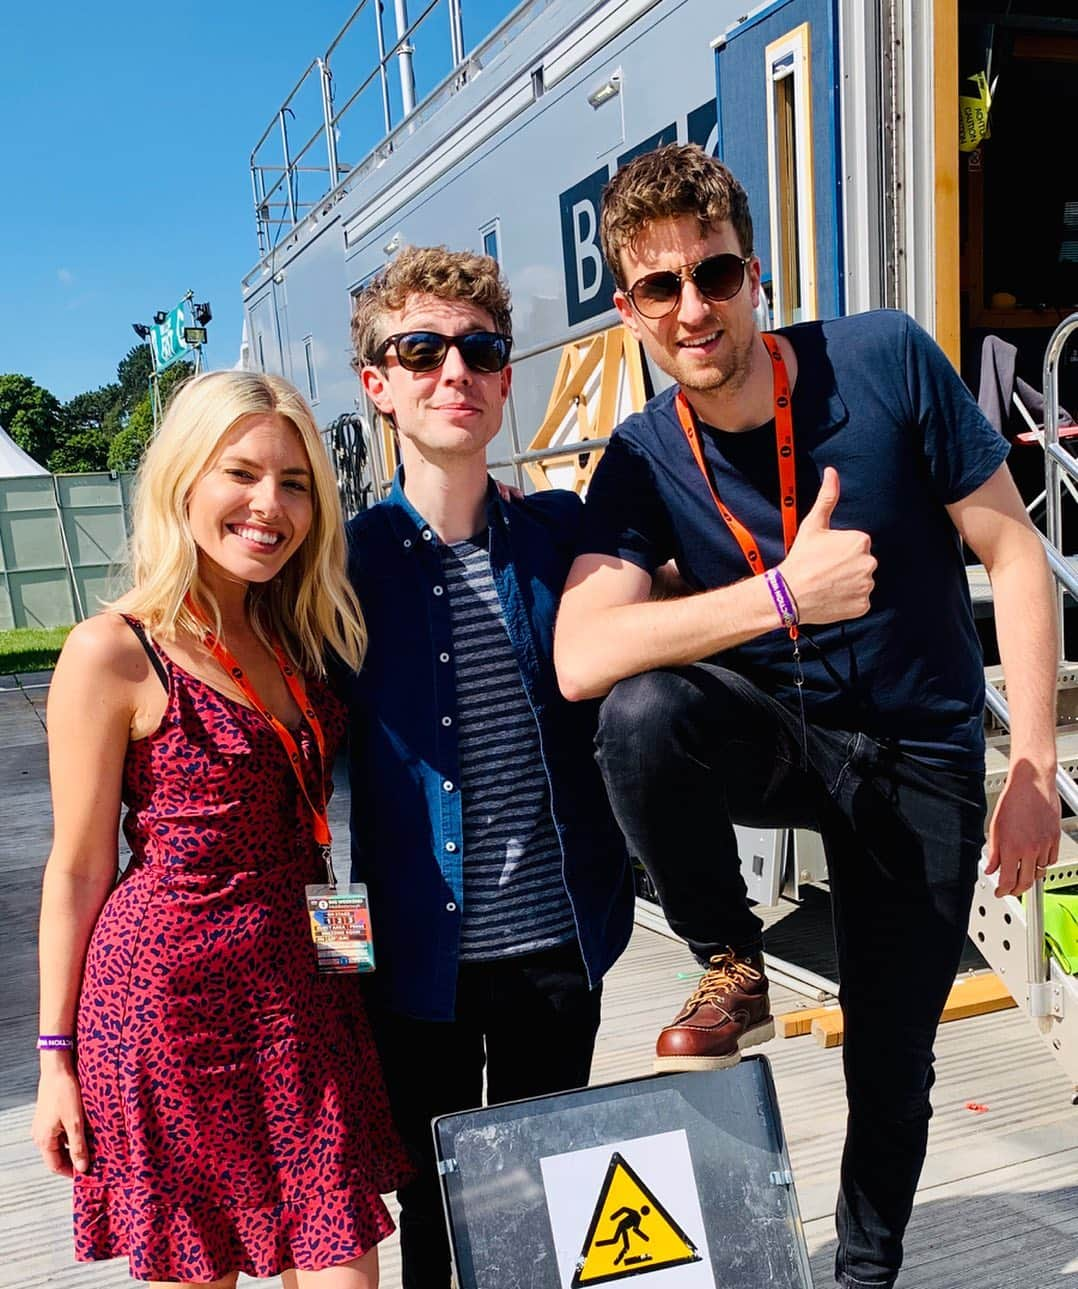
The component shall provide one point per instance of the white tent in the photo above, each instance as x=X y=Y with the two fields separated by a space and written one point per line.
x=14 y=462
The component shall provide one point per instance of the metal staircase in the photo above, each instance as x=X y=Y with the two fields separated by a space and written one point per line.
x=1010 y=932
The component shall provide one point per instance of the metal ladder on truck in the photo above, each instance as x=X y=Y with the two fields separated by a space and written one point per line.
x=1010 y=932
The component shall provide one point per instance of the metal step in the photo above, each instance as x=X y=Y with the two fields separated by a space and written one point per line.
x=1008 y=931
x=998 y=738
x=999 y=925
x=996 y=762
x=1066 y=694
x=998 y=928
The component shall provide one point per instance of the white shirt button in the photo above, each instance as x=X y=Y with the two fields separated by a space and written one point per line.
x=407 y=543
x=447 y=784
x=451 y=846
x=447 y=720
x=443 y=657
x=451 y=907
x=438 y=590
x=426 y=534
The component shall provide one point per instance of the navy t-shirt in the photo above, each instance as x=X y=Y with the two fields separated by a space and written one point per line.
x=877 y=399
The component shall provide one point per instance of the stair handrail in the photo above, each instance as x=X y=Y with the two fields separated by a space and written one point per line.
x=1055 y=458
x=1058 y=465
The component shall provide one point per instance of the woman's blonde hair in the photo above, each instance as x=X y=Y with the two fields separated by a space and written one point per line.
x=309 y=605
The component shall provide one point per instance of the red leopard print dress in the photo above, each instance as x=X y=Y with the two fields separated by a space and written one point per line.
x=236 y=1109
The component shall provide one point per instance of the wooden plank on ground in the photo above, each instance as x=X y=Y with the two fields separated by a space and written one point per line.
x=798 y=1023
x=827 y=1030
x=975 y=996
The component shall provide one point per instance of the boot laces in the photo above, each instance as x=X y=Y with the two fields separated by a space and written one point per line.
x=726 y=973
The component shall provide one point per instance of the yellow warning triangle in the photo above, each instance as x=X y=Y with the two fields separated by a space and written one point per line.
x=631 y=1233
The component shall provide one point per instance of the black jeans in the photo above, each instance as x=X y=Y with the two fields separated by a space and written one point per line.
x=688 y=751
x=531 y=1021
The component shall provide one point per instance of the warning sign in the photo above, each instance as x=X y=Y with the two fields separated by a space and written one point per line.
x=973 y=112
x=628 y=1209
x=630 y=1233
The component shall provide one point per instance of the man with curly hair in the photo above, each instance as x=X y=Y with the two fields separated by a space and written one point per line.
x=500 y=890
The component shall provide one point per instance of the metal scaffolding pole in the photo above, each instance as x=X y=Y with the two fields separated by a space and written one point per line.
x=404 y=58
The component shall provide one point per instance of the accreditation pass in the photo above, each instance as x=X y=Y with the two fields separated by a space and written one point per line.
x=341 y=927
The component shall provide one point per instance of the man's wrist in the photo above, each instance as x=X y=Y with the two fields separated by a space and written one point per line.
x=1042 y=758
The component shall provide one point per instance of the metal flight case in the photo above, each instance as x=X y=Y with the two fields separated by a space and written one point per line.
x=680 y=1181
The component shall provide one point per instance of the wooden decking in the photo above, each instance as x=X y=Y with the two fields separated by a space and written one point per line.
x=998 y=1202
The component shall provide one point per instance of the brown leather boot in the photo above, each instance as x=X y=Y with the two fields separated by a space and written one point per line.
x=728 y=1011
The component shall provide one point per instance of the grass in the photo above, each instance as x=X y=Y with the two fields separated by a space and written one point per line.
x=30 y=648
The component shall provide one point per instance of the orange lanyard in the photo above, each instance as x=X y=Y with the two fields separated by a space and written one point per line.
x=298 y=691
x=784 y=447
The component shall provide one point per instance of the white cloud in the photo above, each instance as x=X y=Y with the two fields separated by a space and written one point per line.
x=65 y=277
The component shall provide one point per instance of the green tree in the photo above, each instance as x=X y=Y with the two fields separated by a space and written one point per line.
x=129 y=442
x=31 y=415
x=170 y=378
x=114 y=422
x=133 y=375
x=91 y=410
x=89 y=422
x=127 y=446
x=81 y=452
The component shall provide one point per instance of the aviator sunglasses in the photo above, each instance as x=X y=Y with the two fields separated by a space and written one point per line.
x=425 y=351
x=718 y=278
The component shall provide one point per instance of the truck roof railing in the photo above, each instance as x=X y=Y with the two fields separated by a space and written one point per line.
x=287 y=181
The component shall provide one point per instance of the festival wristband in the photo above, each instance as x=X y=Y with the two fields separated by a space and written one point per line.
x=55 y=1042
x=785 y=605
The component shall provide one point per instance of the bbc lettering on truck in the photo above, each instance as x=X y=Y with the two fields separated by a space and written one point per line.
x=589 y=286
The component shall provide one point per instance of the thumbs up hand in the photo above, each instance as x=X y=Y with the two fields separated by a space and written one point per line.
x=830 y=571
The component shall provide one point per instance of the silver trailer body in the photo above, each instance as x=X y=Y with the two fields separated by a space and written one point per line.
x=839 y=116
x=510 y=155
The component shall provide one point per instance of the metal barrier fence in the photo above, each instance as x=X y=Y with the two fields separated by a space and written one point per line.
x=62 y=542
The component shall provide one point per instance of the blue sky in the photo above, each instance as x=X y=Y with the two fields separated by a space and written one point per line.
x=127 y=131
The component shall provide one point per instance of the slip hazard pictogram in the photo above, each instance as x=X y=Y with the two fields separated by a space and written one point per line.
x=631 y=1233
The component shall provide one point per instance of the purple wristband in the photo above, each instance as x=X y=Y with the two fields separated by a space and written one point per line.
x=785 y=606
x=54 y=1042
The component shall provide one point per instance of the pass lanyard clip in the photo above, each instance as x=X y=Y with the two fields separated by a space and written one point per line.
x=296 y=687
x=784 y=449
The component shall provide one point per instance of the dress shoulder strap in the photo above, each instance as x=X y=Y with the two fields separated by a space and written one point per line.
x=151 y=653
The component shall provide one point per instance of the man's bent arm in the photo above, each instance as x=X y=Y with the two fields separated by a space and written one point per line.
x=607 y=630
x=1024 y=832
x=608 y=627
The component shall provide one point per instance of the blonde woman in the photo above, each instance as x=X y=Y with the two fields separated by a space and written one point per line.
x=220 y=1106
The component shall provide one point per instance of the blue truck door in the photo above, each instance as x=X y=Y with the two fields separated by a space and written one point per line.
x=776 y=85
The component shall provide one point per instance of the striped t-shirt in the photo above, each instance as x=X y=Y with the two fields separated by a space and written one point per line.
x=514 y=896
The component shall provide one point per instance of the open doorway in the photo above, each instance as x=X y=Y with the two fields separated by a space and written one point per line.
x=1019 y=183
x=1018 y=187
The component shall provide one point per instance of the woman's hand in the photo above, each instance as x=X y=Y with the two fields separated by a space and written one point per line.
x=59 y=1126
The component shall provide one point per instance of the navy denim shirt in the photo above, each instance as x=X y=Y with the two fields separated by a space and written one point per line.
x=407 y=824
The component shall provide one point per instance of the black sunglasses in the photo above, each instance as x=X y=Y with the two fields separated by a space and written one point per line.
x=718 y=278
x=425 y=351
